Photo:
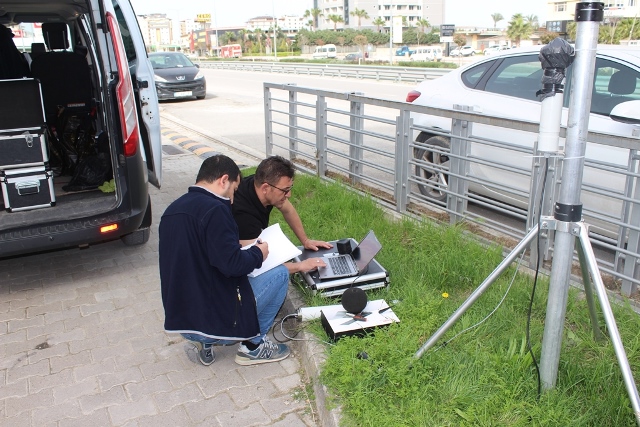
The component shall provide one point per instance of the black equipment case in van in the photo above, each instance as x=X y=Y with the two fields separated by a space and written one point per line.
x=22 y=124
x=27 y=188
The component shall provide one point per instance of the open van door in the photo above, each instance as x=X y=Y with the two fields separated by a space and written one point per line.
x=144 y=87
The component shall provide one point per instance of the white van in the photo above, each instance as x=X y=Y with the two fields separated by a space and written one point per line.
x=427 y=53
x=326 y=51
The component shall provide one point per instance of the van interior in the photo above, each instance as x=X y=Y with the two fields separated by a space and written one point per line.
x=68 y=116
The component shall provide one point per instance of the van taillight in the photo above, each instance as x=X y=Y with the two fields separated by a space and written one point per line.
x=124 y=91
x=413 y=95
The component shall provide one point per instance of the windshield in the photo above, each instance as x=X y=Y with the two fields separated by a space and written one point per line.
x=169 y=61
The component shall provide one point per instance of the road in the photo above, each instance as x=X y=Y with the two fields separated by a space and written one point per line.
x=234 y=105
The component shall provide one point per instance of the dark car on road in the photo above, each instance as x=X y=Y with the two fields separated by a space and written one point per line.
x=352 y=56
x=177 y=77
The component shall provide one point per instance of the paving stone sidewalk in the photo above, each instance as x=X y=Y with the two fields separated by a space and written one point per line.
x=82 y=343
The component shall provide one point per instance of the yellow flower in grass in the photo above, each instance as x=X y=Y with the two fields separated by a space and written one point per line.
x=445 y=295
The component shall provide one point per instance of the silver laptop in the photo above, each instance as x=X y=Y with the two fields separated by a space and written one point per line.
x=353 y=264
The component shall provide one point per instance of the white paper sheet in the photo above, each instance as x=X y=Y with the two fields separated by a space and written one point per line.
x=281 y=249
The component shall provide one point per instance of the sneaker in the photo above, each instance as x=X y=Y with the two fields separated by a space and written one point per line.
x=266 y=352
x=205 y=354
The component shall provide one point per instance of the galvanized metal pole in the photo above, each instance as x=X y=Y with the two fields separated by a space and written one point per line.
x=568 y=208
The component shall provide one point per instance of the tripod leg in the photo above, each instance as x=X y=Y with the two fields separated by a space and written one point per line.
x=479 y=291
x=621 y=355
x=588 y=291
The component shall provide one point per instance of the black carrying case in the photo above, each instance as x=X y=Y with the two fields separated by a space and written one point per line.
x=27 y=188
x=22 y=124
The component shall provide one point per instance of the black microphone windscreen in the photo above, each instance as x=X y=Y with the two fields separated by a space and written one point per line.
x=354 y=300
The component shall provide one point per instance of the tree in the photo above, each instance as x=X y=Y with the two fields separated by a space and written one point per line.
x=547 y=37
x=379 y=22
x=460 y=39
x=335 y=19
x=496 y=17
x=259 y=37
x=243 y=38
x=360 y=13
x=423 y=24
x=533 y=20
x=315 y=14
x=361 y=41
x=518 y=28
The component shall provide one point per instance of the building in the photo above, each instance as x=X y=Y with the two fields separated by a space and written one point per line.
x=560 y=13
x=411 y=10
x=157 y=31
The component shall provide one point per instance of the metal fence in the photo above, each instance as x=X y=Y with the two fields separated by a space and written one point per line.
x=494 y=186
x=380 y=73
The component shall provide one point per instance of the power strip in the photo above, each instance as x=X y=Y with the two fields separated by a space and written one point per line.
x=311 y=313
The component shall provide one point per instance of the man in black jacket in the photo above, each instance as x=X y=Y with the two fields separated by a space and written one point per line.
x=203 y=272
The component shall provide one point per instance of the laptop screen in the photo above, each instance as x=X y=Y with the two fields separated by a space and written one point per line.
x=366 y=251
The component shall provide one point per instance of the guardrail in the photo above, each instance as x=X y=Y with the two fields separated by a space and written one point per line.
x=373 y=72
x=447 y=176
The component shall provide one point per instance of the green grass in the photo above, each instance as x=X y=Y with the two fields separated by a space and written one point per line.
x=484 y=377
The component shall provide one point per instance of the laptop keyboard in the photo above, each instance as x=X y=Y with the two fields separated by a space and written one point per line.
x=339 y=265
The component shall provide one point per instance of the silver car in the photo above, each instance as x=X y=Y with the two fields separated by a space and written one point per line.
x=505 y=85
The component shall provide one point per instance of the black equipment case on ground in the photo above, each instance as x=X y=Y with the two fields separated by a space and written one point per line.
x=375 y=277
x=27 y=188
x=22 y=124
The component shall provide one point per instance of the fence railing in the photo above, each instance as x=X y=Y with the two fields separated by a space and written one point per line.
x=380 y=73
x=495 y=186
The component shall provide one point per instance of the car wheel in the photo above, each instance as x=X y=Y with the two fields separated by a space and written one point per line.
x=431 y=169
x=473 y=53
x=200 y=97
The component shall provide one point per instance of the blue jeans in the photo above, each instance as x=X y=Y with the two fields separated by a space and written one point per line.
x=270 y=290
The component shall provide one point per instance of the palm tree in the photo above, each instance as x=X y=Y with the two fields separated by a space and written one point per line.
x=497 y=17
x=533 y=20
x=379 y=22
x=423 y=24
x=244 y=33
x=335 y=19
x=315 y=14
x=360 y=13
x=518 y=28
x=259 y=35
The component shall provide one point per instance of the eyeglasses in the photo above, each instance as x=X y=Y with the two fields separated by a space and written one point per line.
x=284 y=190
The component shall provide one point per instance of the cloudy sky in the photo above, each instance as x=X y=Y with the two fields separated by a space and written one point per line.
x=232 y=13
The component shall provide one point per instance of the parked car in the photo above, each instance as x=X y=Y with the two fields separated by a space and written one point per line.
x=177 y=77
x=505 y=85
x=427 y=53
x=404 y=51
x=462 y=51
x=97 y=118
x=354 y=56
x=491 y=50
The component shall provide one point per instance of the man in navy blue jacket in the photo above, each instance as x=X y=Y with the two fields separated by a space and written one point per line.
x=203 y=272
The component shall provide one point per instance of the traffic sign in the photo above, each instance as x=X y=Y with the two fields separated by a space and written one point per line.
x=447 y=30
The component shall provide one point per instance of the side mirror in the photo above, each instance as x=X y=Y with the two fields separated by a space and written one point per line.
x=197 y=65
x=627 y=112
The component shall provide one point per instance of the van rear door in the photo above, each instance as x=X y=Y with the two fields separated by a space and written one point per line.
x=144 y=87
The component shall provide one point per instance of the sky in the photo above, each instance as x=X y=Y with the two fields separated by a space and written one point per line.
x=237 y=12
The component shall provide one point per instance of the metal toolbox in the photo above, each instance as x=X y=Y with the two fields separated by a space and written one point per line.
x=27 y=188
x=23 y=150
x=22 y=124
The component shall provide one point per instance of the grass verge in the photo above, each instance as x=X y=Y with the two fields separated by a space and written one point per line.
x=483 y=377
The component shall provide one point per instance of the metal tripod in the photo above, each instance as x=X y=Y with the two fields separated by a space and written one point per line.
x=567 y=223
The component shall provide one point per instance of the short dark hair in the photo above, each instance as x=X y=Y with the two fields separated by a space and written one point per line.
x=271 y=169
x=216 y=166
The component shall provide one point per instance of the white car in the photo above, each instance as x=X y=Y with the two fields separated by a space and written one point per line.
x=462 y=51
x=491 y=50
x=505 y=85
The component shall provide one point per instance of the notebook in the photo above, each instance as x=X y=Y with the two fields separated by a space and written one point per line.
x=353 y=264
